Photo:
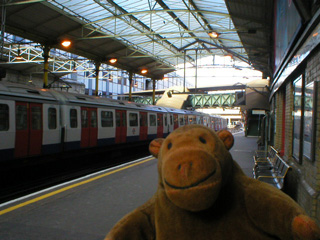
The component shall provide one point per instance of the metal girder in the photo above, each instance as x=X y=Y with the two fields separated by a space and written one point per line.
x=304 y=9
x=144 y=100
x=138 y=25
x=212 y=100
x=198 y=100
x=57 y=64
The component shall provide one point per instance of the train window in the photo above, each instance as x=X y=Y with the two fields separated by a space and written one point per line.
x=52 y=118
x=165 y=120
x=124 y=119
x=193 y=120
x=106 y=119
x=84 y=118
x=181 y=120
x=118 y=119
x=143 y=120
x=133 y=119
x=153 y=120
x=160 y=120
x=21 y=117
x=73 y=118
x=36 y=117
x=93 y=119
x=171 y=120
x=175 y=119
x=4 y=117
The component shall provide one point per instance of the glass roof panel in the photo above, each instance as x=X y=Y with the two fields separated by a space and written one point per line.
x=161 y=27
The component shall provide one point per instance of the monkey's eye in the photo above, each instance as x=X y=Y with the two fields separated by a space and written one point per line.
x=169 y=145
x=202 y=140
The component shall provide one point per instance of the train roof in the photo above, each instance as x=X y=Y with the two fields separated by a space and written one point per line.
x=24 y=91
x=16 y=90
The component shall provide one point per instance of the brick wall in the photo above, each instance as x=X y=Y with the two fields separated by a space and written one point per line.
x=303 y=179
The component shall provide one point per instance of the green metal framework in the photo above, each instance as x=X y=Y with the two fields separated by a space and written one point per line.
x=198 y=100
x=144 y=100
x=212 y=100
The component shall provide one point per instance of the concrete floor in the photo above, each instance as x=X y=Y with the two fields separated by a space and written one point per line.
x=89 y=211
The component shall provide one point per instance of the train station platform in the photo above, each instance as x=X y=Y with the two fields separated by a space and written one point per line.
x=87 y=208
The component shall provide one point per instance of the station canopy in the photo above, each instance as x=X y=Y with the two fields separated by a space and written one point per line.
x=154 y=34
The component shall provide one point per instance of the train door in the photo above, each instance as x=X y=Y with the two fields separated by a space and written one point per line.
x=171 y=125
x=143 y=126
x=89 y=127
x=175 y=121
x=160 y=125
x=121 y=126
x=28 y=129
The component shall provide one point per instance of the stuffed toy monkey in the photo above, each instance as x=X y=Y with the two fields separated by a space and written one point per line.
x=203 y=194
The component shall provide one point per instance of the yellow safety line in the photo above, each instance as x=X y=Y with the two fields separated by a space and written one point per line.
x=69 y=187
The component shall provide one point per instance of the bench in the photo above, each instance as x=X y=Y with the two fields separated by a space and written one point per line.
x=274 y=175
x=261 y=155
x=263 y=159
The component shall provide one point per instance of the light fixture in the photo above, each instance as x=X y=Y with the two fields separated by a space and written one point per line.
x=144 y=71
x=113 y=60
x=214 y=34
x=66 y=43
x=228 y=57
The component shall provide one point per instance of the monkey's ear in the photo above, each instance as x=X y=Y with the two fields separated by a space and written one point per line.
x=226 y=138
x=154 y=146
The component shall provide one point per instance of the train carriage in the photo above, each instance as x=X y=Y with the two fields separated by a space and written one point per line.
x=35 y=122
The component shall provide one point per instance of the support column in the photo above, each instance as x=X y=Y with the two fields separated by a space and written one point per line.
x=153 y=91
x=46 y=50
x=97 y=77
x=184 y=72
x=196 y=73
x=130 y=85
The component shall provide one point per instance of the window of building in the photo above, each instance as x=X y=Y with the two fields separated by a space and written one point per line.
x=297 y=103
x=52 y=118
x=73 y=118
x=106 y=119
x=133 y=119
x=4 y=117
x=308 y=120
x=153 y=120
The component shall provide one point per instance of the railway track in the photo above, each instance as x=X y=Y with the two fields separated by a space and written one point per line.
x=34 y=174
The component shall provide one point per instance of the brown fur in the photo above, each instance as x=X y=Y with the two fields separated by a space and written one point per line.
x=203 y=194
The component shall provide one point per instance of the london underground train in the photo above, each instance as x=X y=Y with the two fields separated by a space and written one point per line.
x=39 y=122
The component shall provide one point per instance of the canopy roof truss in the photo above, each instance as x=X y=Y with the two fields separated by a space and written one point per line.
x=153 y=34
